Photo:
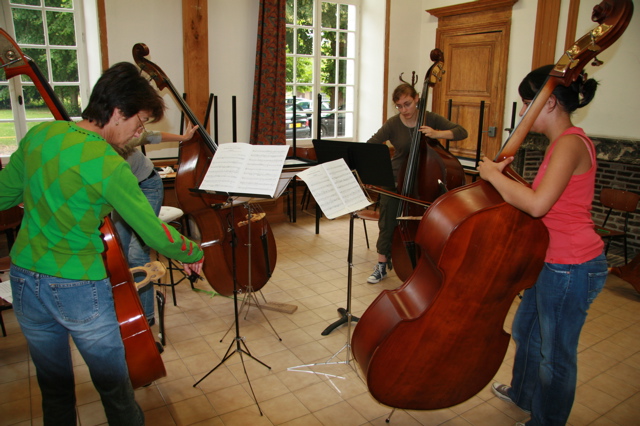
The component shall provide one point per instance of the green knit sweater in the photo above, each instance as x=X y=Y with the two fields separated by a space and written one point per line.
x=69 y=179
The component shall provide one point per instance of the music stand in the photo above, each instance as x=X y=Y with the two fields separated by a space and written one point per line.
x=246 y=171
x=238 y=339
x=365 y=157
x=372 y=163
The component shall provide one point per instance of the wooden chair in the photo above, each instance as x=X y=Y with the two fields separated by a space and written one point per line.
x=365 y=215
x=10 y=221
x=174 y=217
x=5 y=263
x=619 y=200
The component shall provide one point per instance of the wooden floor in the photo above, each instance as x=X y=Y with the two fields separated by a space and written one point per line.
x=311 y=273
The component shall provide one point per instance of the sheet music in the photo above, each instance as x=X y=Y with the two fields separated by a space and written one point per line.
x=5 y=291
x=335 y=188
x=283 y=183
x=244 y=168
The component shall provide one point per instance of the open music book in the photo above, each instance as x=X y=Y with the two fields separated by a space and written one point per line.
x=335 y=188
x=250 y=170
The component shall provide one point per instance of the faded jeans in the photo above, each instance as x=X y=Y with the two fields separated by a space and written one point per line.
x=49 y=310
x=546 y=330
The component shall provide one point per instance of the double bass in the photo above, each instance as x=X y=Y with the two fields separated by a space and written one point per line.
x=141 y=353
x=429 y=170
x=438 y=340
x=215 y=219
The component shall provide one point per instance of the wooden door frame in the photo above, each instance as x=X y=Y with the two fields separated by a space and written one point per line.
x=471 y=18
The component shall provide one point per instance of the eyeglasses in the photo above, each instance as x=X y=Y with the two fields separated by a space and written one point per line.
x=141 y=127
x=405 y=105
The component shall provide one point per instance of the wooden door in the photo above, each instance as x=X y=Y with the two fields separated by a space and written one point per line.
x=475 y=43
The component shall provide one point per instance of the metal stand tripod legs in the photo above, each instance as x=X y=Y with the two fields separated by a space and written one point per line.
x=240 y=345
x=346 y=318
x=345 y=314
x=250 y=294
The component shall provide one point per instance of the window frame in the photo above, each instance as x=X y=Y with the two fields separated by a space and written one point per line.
x=16 y=85
x=317 y=57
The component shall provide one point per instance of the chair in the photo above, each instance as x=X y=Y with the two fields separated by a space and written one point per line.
x=624 y=201
x=373 y=215
x=174 y=217
x=5 y=263
x=10 y=221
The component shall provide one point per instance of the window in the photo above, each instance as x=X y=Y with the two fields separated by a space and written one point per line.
x=49 y=32
x=321 y=59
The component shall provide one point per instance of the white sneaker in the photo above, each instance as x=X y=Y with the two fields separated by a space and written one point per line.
x=379 y=273
x=502 y=392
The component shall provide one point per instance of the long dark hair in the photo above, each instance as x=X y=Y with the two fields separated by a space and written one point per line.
x=122 y=87
x=576 y=95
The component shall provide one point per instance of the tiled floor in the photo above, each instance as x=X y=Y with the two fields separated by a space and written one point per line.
x=311 y=273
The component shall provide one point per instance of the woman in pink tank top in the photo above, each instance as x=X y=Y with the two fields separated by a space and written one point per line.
x=550 y=317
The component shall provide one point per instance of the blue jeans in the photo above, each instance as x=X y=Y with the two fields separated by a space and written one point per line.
x=49 y=310
x=546 y=330
x=135 y=250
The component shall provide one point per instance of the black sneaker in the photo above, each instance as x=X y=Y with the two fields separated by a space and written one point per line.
x=379 y=273
x=502 y=392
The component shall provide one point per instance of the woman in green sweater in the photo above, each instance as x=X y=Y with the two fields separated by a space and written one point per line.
x=69 y=177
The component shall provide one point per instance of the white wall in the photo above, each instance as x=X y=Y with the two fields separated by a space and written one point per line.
x=371 y=73
x=232 y=44
x=615 y=110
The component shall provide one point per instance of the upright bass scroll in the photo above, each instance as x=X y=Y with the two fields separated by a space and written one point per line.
x=214 y=224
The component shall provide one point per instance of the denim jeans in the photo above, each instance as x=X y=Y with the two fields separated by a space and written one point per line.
x=546 y=330
x=135 y=250
x=49 y=310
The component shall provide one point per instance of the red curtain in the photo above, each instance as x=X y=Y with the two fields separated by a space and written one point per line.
x=268 y=115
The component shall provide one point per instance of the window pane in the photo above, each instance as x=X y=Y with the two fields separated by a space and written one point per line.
x=289 y=38
x=289 y=75
x=70 y=98
x=67 y=4
x=289 y=12
x=305 y=12
x=305 y=41
x=329 y=15
x=39 y=57
x=64 y=65
x=329 y=93
x=344 y=17
x=343 y=44
x=346 y=72
x=8 y=141
x=27 y=2
x=304 y=70
x=329 y=43
x=328 y=71
x=346 y=97
x=61 y=28
x=351 y=45
x=34 y=105
x=29 y=22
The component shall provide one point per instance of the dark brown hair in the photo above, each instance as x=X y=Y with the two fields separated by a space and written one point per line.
x=122 y=87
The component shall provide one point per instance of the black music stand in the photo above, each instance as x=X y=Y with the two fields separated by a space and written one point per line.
x=238 y=340
x=372 y=163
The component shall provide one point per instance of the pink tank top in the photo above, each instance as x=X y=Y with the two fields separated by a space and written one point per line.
x=572 y=238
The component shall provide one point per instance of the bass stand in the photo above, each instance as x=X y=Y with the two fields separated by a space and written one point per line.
x=347 y=318
x=238 y=340
x=250 y=294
